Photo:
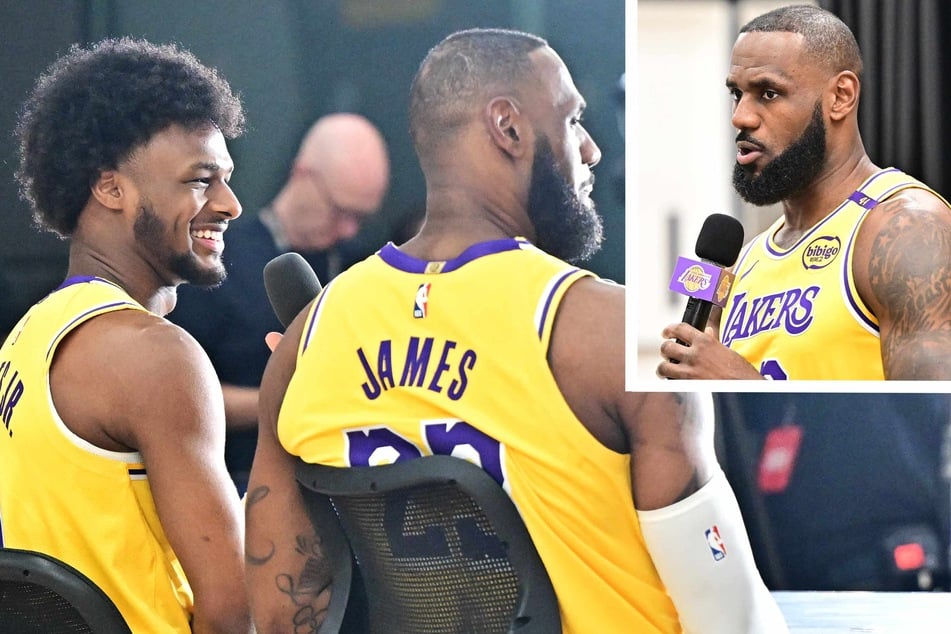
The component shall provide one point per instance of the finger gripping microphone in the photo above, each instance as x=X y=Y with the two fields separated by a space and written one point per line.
x=290 y=283
x=707 y=282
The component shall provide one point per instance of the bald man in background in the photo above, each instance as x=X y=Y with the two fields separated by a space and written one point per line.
x=338 y=179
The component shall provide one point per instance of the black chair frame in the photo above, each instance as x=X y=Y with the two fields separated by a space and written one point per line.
x=537 y=606
x=92 y=604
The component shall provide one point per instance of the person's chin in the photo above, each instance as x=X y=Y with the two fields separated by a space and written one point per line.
x=207 y=281
x=206 y=274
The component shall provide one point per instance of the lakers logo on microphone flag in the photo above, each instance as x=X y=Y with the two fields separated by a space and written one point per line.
x=701 y=280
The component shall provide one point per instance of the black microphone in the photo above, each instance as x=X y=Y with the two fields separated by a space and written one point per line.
x=290 y=283
x=707 y=282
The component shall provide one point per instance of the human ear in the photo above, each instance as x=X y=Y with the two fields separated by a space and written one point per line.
x=109 y=190
x=507 y=127
x=845 y=88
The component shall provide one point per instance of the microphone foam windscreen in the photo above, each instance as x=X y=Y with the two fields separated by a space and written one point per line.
x=720 y=239
x=290 y=283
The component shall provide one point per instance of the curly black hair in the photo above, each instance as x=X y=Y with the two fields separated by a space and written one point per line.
x=95 y=105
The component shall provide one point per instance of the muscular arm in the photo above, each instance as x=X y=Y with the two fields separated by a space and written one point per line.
x=902 y=268
x=241 y=406
x=669 y=436
x=288 y=578
x=160 y=396
x=676 y=484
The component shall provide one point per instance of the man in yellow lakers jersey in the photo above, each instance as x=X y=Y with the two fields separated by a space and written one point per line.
x=111 y=451
x=477 y=332
x=852 y=281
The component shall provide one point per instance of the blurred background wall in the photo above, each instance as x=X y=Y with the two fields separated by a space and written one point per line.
x=293 y=61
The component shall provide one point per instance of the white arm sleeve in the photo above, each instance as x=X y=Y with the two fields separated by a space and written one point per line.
x=702 y=552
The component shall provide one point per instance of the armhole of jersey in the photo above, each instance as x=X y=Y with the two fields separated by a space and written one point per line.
x=744 y=253
x=904 y=182
x=879 y=191
x=550 y=298
x=126 y=457
x=83 y=318
x=310 y=325
x=853 y=301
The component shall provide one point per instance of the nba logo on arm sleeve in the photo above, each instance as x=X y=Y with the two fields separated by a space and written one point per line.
x=717 y=548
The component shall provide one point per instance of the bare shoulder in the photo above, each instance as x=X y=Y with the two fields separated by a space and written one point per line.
x=145 y=347
x=143 y=369
x=587 y=358
x=905 y=217
x=903 y=242
x=589 y=326
x=902 y=268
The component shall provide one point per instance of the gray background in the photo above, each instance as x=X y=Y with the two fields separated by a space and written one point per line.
x=293 y=61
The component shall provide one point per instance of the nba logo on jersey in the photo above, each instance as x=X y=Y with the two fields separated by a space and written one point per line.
x=421 y=305
x=717 y=548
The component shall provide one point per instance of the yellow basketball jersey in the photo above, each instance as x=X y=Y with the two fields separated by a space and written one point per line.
x=63 y=496
x=402 y=358
x=795 y=313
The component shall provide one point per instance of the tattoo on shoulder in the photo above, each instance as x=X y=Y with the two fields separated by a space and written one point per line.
x=910 y=275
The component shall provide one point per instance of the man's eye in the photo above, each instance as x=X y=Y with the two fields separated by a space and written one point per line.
x=770 y=94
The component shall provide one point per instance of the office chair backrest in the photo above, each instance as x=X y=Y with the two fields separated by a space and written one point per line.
x=42 y=595
x=438 y=546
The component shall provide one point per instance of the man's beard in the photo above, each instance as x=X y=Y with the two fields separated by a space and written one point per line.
x=789 y=173
x=564 y=225
x=151 y=234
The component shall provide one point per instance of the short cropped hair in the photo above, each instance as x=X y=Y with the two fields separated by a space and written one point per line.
x=826 y=37
x=458 y=71
x=96 y=105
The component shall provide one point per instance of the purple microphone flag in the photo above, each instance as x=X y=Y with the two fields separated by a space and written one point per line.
x=702 y=280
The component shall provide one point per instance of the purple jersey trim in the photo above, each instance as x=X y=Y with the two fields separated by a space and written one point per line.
x=81 y=318
x=548 y=300
x=869 y=203
x=804 y=237
x=77 y=279
x=855 y=197
x=874 y=177
x=407 y=263
x=854 y=301
x=313 y=316
x=862 y=200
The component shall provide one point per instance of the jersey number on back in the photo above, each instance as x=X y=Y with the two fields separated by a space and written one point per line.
x=380 y=446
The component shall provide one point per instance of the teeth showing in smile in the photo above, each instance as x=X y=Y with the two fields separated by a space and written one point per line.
x=207 y=234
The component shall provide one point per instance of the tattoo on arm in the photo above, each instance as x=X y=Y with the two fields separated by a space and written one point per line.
x=314 y=580
x=254 y=497
x=910 y=275
x=305 y=589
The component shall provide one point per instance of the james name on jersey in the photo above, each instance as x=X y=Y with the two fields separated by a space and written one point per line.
x=418 y=367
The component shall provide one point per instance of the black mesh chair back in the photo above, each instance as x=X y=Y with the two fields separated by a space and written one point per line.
x=42 y=595
x=438 y=547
